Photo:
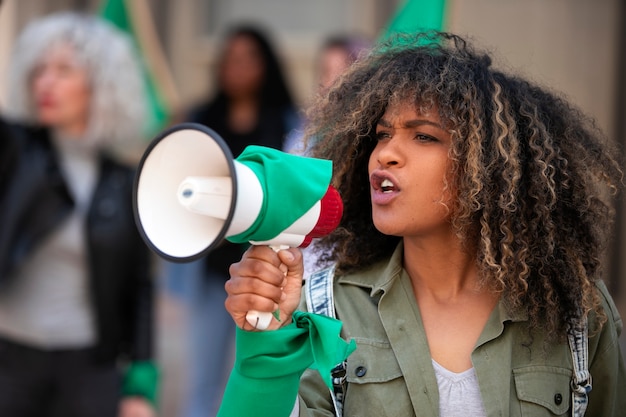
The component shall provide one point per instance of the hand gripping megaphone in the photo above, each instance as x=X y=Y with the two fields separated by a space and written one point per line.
x=190 y=194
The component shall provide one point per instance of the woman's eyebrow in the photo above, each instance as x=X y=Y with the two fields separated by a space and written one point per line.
x=421 y=122
x=411 y=123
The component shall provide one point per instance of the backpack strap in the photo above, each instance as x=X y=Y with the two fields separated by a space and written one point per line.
x=318 y=289
x=581 y=380
x=319 y=292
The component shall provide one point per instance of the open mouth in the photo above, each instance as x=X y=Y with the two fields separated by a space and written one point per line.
x=387 y=186
x=384 y=188
x=382 y=183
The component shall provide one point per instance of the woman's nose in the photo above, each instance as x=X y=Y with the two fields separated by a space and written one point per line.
x=388 y=153
x=44 y=78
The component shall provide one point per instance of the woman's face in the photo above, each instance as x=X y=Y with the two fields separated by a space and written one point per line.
x=243 y=68
x=407 y=170
x=61 y=92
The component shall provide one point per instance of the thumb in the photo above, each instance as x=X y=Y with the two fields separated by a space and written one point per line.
x=292 y=259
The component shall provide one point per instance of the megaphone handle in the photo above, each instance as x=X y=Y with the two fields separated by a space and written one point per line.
x=261 y=319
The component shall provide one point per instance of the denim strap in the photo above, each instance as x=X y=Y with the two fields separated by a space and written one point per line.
x=320 y=300
x=581 y=380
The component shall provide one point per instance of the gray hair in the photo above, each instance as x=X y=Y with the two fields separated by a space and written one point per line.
x=118 y=103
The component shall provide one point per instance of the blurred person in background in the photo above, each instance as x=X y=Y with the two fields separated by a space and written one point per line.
x=76 y=295
x=251 y=105
x=335 y=56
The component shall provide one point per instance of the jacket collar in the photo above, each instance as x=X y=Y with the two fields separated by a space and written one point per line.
x=380 y=276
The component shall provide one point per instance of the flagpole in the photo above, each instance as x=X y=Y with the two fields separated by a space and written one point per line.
x=154 y=54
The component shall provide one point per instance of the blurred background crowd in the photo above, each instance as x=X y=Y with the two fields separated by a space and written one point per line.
x=247 y=68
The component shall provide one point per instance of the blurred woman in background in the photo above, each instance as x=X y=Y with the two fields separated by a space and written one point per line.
x=251 y=105
x=76 y=307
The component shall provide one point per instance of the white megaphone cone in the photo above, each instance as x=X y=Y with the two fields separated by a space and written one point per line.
x=190 y=194
x=186 y=192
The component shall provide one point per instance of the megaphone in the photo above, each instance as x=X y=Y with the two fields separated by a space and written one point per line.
x=190 y=194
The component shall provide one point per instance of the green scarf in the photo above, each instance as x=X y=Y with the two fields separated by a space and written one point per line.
x=268 y=365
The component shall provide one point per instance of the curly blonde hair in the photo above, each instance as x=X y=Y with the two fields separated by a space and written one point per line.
x=533 y=175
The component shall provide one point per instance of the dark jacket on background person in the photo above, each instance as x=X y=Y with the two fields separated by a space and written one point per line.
x=34 y=199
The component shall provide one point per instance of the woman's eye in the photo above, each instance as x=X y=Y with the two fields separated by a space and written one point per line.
x=425 y=138
x=37 y=71
x=66 y=69
x=382 y=135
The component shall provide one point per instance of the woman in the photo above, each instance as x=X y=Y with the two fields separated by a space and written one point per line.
x=251 y=105
x=75 y=285
x=477 y=209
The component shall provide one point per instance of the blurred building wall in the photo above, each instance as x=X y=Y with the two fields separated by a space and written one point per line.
x=569 y=45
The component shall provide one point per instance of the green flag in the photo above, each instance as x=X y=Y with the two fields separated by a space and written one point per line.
x=416 y=16
x=133 y=17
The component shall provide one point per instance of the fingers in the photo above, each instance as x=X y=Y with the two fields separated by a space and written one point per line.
x=258 y=275
x=251 y=293
x=265 y=281
x=255 y=283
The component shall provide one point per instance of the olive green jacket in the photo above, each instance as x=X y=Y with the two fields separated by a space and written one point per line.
x=391 y=373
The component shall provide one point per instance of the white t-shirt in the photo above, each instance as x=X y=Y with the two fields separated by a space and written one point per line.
x=459 y=394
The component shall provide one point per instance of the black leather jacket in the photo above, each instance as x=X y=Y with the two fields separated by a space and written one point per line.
x=33 y=201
